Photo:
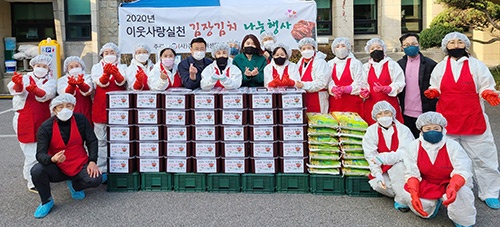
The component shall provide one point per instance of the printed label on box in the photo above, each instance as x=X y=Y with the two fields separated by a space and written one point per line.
x=234 y=150
x=263 y=117
x=205 y=133
x=118 y=117
x=175 y=117
x=264 y=165
x=204 y=101
x=149 y=149
x=118 y=165
x=177 y=149
x=175 y=101
x=293 y=133
x=146 y=100
x=234 y=165
x=147 y=116
x=206 y=165
x=233 y=133
x=205 y=150
x=119 y=101
x=232 y=101
x=149 y=165
x=293 y=116
x=176 y=133
x=293 y=165
x=262 y=101
x=263 y=133
x=121 y=150
x=232 y=117
x=204 y=117
x=176 y=165
x=292 y=100
x=119 y=133
x=148 y=133
x=264 y=150
x=293 y=149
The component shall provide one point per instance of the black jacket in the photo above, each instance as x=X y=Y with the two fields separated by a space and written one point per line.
x=44 y=136
x=424 y=76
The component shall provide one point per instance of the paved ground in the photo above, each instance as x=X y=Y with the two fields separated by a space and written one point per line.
x=101 y=208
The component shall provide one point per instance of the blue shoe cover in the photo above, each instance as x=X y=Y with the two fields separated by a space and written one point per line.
x=78 y=195
x=492 y=203
x=42 y=210
x=401 y=207
x=104 y=178
x=457 y=225
x=438 y=205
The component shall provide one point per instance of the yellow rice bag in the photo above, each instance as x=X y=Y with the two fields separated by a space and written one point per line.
x=355 y=172
x=322 y=120
x=350 y=120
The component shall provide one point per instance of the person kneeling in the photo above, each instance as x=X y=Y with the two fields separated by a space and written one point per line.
x=62 y=156
x=438 y=169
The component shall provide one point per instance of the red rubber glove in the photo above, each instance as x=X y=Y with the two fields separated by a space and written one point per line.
x=17 y=79
x=337 y=92
x=346 y=89
x=364 y=93
x=289 y=82
x=70 y=89
x=382 y=89
x=116 y=73
x=80 y=80
x=32 y=88
x=414 y=188
x=71 y=81
x=491 y=97
x=455 y=184
x=273 y=83
x=107 y=68
x=431 y=93
x=104 y=79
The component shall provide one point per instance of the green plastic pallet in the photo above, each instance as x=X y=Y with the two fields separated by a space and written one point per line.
x=258 y=183
x=128 y=182
x=327 y=184
x=359 y=186
x=292 y=182
x=156 y=181
x=223 y=182
x=190 y=182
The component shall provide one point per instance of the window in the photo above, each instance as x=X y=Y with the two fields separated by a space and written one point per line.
x=324 y=19
x=78 y=25
x=365 y=16
x=32 y=22
x=411 y=16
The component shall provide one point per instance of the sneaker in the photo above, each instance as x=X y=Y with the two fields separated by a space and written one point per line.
x=438 y=205
x=44 y=209
x=492 y=203
x=104 y=178
x=33 y=189
x=401 y=207
x=78 y=195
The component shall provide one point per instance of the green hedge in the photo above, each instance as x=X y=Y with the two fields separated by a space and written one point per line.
x=432 y=36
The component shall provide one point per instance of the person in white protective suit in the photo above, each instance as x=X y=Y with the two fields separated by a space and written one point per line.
x=314 y=74
x=384 y=145
x=221 y=72
x=31 y=98
x=107 y=76
x=280 y=72
x=138 y=71
x=346 y=79
x=75 y=82
x=460 y=81
x=438 y=171
x=268 y=41
x=164 y=74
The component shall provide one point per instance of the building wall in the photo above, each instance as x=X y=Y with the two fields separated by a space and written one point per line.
x=5 y=31
x=488 y=53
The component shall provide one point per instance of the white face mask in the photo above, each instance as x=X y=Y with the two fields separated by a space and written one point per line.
x=385 y=121
x=40 y=72
x=268 y=44
x=65 y=114
x=307 y=53
x=142 y=57
x=75 y=71
x=341 y=52
x=168 y=62
x=198 y=55
x=110 y=58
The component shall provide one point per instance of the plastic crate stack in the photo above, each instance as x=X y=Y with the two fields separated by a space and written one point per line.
x=324 y=144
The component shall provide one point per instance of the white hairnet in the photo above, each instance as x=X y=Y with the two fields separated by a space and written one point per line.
x=220 y=46
x=382 y=106
x=64 y=98
x=41 y=59
x=454 y=35
x=267 y=34
x=73 y=59
x=287 y=49
x=307 y=41
x=142 y=46
x=110 y=46
x=375 y=41
x=341 y=40
x=430 y=118
x=233 y=41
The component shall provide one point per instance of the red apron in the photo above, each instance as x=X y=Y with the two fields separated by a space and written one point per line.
x=218 y=84
x=145 y=86
x=83 y=105
x=382 y=147
x=177 y=78
x=384 y=80
x=99 y=107
x=435 y=177
x=348 y=102
x=459 y=103
x=76 y=156
x=312 y=98
x=276 y=77
x=33 y=114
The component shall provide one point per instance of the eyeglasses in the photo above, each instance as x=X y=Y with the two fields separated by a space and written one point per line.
x=409 y=44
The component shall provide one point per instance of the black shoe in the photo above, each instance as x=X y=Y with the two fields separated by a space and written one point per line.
x=404 y=209
x=33 y=189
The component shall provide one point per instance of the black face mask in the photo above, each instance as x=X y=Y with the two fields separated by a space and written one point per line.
x=221 y=62
x=457 y=53
x=250 y=50
x=377 y=55
x=279 y=61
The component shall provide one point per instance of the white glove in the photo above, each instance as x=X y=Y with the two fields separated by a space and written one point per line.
x=380 y=180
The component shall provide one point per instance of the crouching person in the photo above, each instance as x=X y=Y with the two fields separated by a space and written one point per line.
x=62 y=156
x=384 y=144
x=438 y=171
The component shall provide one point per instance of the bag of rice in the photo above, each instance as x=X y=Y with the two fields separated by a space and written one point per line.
x=355 y=172
x=350 y=120
x=331 y=171
x=356 y=163
x=322 y=120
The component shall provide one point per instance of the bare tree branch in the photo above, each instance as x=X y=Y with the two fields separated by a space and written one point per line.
x=486 y=42
x=492 y=22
